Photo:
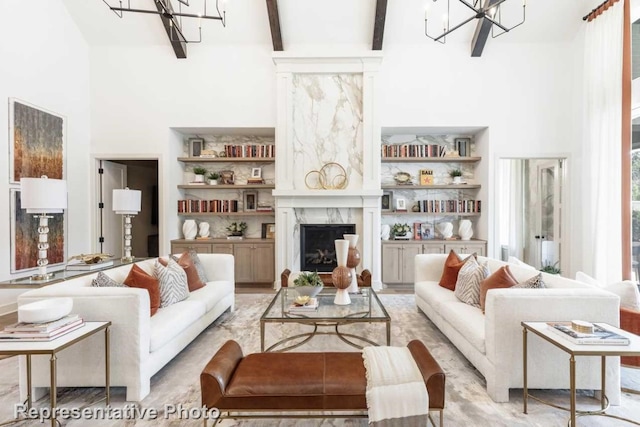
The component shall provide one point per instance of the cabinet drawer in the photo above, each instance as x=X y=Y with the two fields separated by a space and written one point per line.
x=201 y=248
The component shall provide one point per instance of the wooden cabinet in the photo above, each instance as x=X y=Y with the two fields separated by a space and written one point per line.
x=254 y=258
x=467 y=247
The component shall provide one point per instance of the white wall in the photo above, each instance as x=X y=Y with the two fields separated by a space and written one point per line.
x=45 y=61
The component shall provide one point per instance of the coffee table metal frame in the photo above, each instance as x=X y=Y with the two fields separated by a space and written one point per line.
x=541 y=329
x=367 y=309
x=56 y=345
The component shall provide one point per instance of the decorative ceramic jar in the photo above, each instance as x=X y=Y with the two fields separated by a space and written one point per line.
x=353 y=259
x=189 y=229
x=203 y=230
x=445 y=229
x=385 y=231
x=341 y=275
x=464 y=230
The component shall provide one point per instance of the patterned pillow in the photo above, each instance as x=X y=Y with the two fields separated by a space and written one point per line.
x=172 y=281
x=470 y=276
x=104 y=281
x=536 y=282
x=187 y=263
x=199 y=267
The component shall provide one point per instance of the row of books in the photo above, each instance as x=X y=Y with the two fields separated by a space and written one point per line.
x=449 y=206
x=412 y=150
x=203 y=206
x=22 y=331
x=254 y=150
x=599 y=336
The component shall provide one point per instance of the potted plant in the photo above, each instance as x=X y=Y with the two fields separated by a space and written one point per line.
x=547 y=267
x=237 y=228
x=400 y=231
x=213 y=178
x=199 y=172
x=456 y=174
x=308 y=284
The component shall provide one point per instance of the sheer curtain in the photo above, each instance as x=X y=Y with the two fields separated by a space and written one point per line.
x=602 y=145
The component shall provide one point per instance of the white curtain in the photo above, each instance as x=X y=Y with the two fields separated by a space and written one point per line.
x=601 y=181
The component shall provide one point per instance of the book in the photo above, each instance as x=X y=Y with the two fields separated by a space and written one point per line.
x=600 y=336
x=41 y=336
x=312 y=305
x=426 y=177
x=41 y=327
x=81 y=266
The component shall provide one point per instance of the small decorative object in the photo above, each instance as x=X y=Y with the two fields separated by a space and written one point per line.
x=199 y=173
x=403 y=178
x=353 y=259
x=415 y=208
x=426 y=231
x=400 y=231
x=189 y=229
x=222 y=153
x=385 y=231
x=445 y=229
x=426 y=177
x=386 y=201
x=582 y=327
x=213 y=178
x=341 y=275
x=227 y=177
x=331 y=176
x=250 y=201
x=91 y=258
x=308 y=284
x=195 y=146
x=456 y=174
x=463 y=146
x=256 y=176
x=203 y=230
x=237 y=228
x=464 y=230
x=209 y=153
x=46 y=310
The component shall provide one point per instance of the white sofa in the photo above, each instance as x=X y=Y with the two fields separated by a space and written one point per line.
x=492 y=341
x=140 y=344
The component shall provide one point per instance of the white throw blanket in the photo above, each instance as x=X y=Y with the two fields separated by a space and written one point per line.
x=396 y=392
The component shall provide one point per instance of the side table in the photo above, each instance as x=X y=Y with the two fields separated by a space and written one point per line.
x=28 y=349
x=542 y=330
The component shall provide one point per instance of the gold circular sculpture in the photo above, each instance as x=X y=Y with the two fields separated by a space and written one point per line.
x=331 y=176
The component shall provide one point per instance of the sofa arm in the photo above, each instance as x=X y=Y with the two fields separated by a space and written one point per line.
x=429 y=267
x=431 y=372
x=218 y=267
x=630 y=322
x=216 y=375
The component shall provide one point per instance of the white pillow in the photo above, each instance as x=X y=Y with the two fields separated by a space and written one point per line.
x=469 y=278
x=585 y=278
x=516 y=261
x=626 y=290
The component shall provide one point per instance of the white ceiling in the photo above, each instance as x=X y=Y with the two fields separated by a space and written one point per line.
x=322 y=22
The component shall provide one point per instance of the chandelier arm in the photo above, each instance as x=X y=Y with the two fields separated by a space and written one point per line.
x=454 y=28
x=223 y=15
x=524 y=16
x=114 y=10
x=427 y=34
x=470 y=6
x=155 y=12
x=496 y=23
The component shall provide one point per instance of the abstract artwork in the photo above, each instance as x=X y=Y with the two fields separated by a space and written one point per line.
x=36 y=142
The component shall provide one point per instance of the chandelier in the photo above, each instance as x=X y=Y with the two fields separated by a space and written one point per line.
x=491 y=10
x=175 y=15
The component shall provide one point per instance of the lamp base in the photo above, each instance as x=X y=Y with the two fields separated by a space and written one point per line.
x=45 y=276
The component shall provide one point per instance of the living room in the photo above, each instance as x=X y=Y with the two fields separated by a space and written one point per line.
x=125 y=96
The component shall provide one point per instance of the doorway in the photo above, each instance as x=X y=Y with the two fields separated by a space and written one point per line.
x=139 y=175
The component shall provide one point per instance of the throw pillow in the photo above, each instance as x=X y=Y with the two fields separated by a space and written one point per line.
x=452 y=267
x=138 y=278
x=470 y=276
x=535 y=282
x=501 y=278
x=104 y=281
x=585 y=278
x=186 y=261
x=516 y=261
x=172 y=281
x=199 y=267
x=626 y=290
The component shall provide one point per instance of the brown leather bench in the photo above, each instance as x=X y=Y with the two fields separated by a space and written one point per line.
x=281 y=382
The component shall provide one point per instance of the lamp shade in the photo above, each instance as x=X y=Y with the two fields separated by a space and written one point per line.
x=127 y=202
x=43 y=195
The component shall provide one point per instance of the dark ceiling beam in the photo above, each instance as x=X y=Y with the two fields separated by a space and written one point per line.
x=274 y=23
x=378 y=27
x=175 y=36
x=482 y=33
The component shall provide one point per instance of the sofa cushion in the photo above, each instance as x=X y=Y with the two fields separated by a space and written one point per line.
x=171 y=321
x=467 y=320
x=433 y=294
x=470 y=276
x=172 y=280
x=626 y=290
x=138 y=278
x=452 y=267
x=104 y=281
x=501 y=278
x=212 y=293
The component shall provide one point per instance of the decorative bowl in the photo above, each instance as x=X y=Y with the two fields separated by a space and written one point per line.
x=308 y=291
x=302 y=299
x=402 y=178
x=46 y=310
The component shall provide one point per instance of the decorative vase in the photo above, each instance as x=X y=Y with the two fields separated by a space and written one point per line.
x=385 y=231
x=198 y=178
x=213 y=182
x=457 y=179
x=203 y=230
x=464 y=230
x=189 y=229
x=353 y=259
x=341 y=275
x=445 y=229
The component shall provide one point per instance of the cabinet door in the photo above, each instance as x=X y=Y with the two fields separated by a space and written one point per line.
x=433 y=248
x=201 y=248
x=264 y=268
x=222 y=248
x=467 y=247
x=243 y=254
x=409 y=253
x=392 y=263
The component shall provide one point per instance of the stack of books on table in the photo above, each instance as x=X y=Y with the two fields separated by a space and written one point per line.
x=41 y=331
x=312 y=305
x=600 y=335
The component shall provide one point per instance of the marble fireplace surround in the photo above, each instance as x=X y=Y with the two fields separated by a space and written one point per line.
x=326 y=113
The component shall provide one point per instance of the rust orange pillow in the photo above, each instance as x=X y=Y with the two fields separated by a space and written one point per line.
x=501 y=278
x=186 y=262
x=452 y=267
x=138 y=278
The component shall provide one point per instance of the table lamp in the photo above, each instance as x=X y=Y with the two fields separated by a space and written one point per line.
x=42 y=196
x=127 y=202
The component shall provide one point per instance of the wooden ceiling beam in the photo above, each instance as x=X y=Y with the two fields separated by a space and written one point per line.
x=481 y=34
x=378 y=27
x=179 y=46
x=274 y=23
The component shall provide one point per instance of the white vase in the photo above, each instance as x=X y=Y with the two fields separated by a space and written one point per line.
x=464 y=230
x=385 y=231
x=203 y=230
x=457 y=179
x=342 y=252
x=198 y=178
x=189 y=229
x=445 y=229
x=353 y=241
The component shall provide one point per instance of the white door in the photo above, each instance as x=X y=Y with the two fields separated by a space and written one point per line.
x=109 y=225
x=549 y=212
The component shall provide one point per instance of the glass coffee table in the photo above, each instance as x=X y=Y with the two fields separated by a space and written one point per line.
x=365 y=307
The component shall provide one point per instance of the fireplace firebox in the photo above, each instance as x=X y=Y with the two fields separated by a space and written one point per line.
x=317 y=245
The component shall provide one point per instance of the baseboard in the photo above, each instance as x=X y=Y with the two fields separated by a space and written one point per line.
x=8 y=308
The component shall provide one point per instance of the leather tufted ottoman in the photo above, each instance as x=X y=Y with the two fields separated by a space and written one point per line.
x=281 y=382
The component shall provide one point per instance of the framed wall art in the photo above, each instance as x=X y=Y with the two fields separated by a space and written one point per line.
x=36 y=142
x=24 y=236
x=250 y=201
x=268 y=230
x=196 y=145
x=386 y=201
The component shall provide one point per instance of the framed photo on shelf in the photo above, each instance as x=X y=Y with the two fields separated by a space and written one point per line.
x=386 y=201
x=268 y=230
x=401 y=205
x=256 y=173
x=426 y=231
x=463 y=146
x=250 y=201
x=226 y=177
x=196 y=145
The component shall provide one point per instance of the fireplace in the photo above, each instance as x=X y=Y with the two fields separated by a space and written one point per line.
x=317 y=245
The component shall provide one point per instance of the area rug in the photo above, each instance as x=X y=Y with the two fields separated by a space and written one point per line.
x=177 y=385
